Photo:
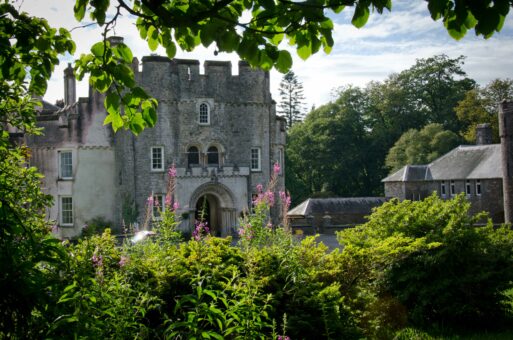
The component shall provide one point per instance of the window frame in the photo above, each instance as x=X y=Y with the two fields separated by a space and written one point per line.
x=201 y=113
x=453 y=188
x=281 y=160
x=152 y=168
x=468 y=189
x=443 y=189
x=478 y=188
x=189 y=164
x=258 y=159
x=62 y=222
x=218 y=156
x=61 y=153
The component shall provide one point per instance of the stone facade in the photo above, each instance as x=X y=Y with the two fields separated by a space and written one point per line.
x=473 y=170
x=220 y=130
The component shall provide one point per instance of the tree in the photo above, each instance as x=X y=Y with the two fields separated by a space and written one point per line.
x=292 y=99
x=432 y=88
x=421 y=146
x=480 y=105
x=305 y=25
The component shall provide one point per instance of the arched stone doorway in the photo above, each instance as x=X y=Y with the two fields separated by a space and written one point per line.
x=216 y=202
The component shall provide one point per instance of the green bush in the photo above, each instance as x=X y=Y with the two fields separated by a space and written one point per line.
x=428 y=260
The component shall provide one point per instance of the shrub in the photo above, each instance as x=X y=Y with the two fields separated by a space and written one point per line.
x=430 y=257
x=96 y=226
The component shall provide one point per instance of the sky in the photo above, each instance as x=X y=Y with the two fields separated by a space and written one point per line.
x=388 y=43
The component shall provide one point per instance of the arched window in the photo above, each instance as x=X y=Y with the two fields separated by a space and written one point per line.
x=204 y=114
x=192 y=156
x=212 y=156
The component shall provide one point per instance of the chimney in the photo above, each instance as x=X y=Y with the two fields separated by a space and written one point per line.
x=483 y=134
x=70 y=86
x=506 y=135
x=115 y=40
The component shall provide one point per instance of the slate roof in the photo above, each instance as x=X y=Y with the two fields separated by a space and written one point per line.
x=353 y=205
x=463 y=162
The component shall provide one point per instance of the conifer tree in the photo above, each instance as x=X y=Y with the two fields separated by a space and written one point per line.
x=292 y=99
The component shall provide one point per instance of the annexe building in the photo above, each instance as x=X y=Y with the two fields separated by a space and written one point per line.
x=220 y=130
x=471 y=169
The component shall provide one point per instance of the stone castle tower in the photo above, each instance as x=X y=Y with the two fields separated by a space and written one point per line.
x=220 y=130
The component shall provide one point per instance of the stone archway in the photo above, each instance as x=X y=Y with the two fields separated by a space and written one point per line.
x=219 y=210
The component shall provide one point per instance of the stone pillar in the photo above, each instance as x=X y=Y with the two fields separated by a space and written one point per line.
x=483 y=134
x=506 y=135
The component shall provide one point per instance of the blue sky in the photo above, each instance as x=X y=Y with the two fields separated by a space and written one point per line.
x=389 y=43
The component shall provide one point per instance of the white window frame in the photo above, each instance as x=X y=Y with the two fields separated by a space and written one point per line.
x=281 y=159
x=468 y=188
x=61 y=154
x=200 y=113
x=258 y=160
x=478 y=187
x=161 y=168
x=61 y=212
x=156 y=208
x=453 y=188
x=443 y=189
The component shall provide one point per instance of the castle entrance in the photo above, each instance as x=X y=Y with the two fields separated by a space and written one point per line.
x=207 y=210
x=214 y=204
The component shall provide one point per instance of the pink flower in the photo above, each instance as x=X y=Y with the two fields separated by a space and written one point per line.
x=168 y=200
x=172 y=171
x=270 y=197
x=285 y=198
x=123 y=261
x=150 y=201
x=176 y=206
x=277 y=168
x=260 y=188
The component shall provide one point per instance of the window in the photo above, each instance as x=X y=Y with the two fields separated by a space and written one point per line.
x=157 y=158
x=204 y=114
x=212 y=156
x=65 y=164
x=453 y=188
x=467 y=187
x=442 y=189
x=192 y=156
x=255 y=159
x=158 y=201
x=66 y=212
x=478 y=187
x=280 y=160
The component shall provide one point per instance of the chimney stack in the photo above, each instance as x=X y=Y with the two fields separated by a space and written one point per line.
x=70 y=86
x=506 y=135
x=483 y=134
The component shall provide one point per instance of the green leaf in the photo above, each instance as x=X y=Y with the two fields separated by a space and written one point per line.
x=98 y=49
x=123 y=52
x=152 y=37
x=361 y=15
x=112 y=103
x=284 y=62
x=79 y=9
x=171 y=50
x=124 y=74
x=304 y=52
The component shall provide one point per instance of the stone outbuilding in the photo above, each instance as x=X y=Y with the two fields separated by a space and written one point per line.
x=327 y=215
x=471 y=169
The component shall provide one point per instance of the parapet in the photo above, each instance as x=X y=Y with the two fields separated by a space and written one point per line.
x=218 y=68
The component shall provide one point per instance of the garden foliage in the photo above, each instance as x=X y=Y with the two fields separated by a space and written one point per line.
x=428 y=263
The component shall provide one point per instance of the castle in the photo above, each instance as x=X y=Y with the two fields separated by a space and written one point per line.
x=220 y=130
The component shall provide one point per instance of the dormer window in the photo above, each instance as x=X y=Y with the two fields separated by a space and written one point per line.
x=204 y=114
